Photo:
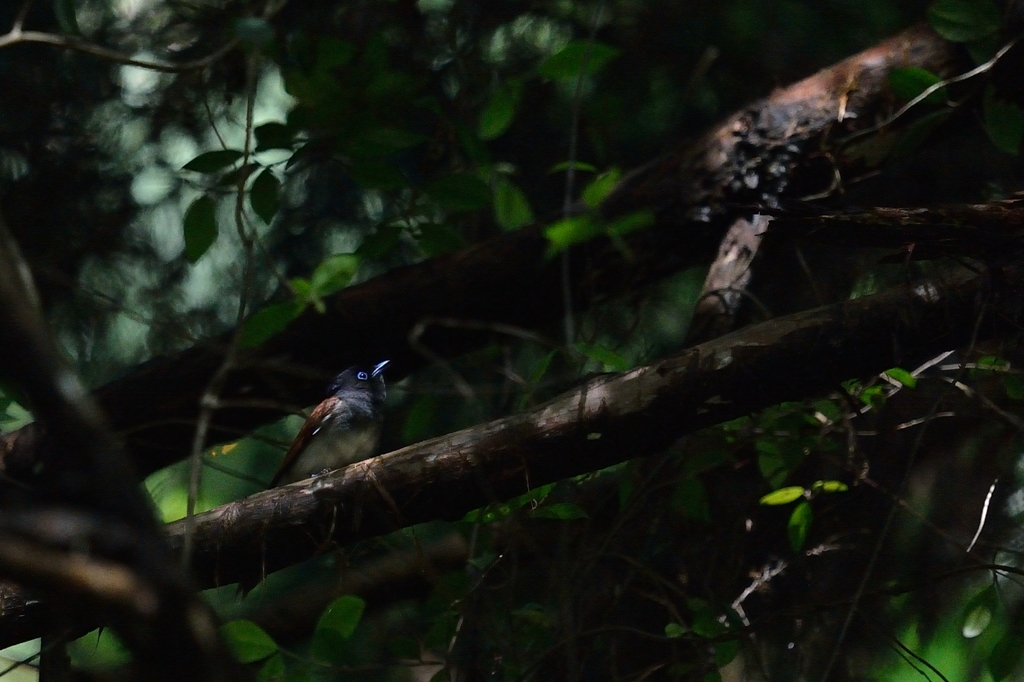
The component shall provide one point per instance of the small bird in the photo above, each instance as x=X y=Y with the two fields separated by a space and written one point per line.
x=342 y=429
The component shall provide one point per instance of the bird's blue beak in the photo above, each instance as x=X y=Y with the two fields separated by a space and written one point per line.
x=379 y=368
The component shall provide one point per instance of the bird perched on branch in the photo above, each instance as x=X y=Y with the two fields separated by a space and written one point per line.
x=342 y=429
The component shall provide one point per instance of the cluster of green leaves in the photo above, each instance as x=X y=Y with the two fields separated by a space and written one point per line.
x=717 y=628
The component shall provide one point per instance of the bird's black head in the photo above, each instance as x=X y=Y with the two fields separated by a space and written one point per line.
x=361 y=380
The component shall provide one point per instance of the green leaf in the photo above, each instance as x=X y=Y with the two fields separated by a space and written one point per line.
x=460 y=192
x=273 y=136
x=691 y=499
x=705 y=620
x=962 y=20
x=272 y=670
x=978 y=612
x=578 y=165
x=268 y=322
x=725 y=652
x=675 y=630
x=830 y=487
x=247 y=640
x=568 y=231
x=1014 y=386
x=254 y=32
x=579 y=57
x=609 y=359
x=902 y=376
x=631 y=222
x=500 y=110
x=1005 y=656
x=265 y=195
x=342 y=616
x=909 y=82
x=873 y=396
x=564 y=511
x=600 y=187
x=511 y=208
x=67 y=18
x=436 y=239
x=334 y=274
x=783 y=495
x=799 y=524
x=1004 y=122
x=211 y=162
x=200 y=227
x=916 y=135
x=380 y=243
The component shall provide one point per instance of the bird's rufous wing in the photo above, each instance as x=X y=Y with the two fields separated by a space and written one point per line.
x=313 y=422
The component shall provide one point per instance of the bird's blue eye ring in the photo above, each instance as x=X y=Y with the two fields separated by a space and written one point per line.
x=362 y=376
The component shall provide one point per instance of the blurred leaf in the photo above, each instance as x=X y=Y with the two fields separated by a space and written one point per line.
x=631 y=222
x=799 y=524
x=600 y=187
x=500 y=110
x=978 y=612
x=830 y=486
x=273 y=136
x=380 y=243
x=564 y=511
x=264 y=195
x=343 y=615
x=1004 y=122
x=578 y=165
x=436 y=239
x=783 y=495
x=371 y=173
x=511 y=208
x=705 y=620
x=609 y=359
x=1005 y=656
x=568 y=231
x=962 y=20
x=1014 y=386
x=873 y=396
x=460 y=192
x=268 y=322
x=420 y=419
x=902 y=376
x=579 y=57
x=247 y=640
x=200 y=227
x=917 y=134
x=909 y=82
x=691 y=499
x=332 y=53
x=725 y=652
x=384 y=141
x=674 y=630
x=334 y=274
x=254 y=32
x=211 y=162
x=272 y=670
x=67 y=19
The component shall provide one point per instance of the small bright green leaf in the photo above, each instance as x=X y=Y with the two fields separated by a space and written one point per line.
x=343 y=615
x=564 y=511
x=909 y=82
x=499 y=112
x=830 y=486
x=783 y=495
x=334 y=274
x=993 y=363
x=254 y=32
x=460 y=192
x=200 y=227
x=578 y=165
x=211 y=162
x=579 y=57
x=902 y=376
x=265 y=195
x=511 y=208
x=600 y=187
x=436 y=239
x=272 y=670
x=247 y=640
x=960 y=21
x=67 y=19
x=1005 y=656
x=675 y=630
x=873 y=396
x=610 y=360
x=1004 y=122
x=1014 y=386
x=268 y=322
x=273 y=136
x=568 y=231
x=799 y=524
x=631 y=222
